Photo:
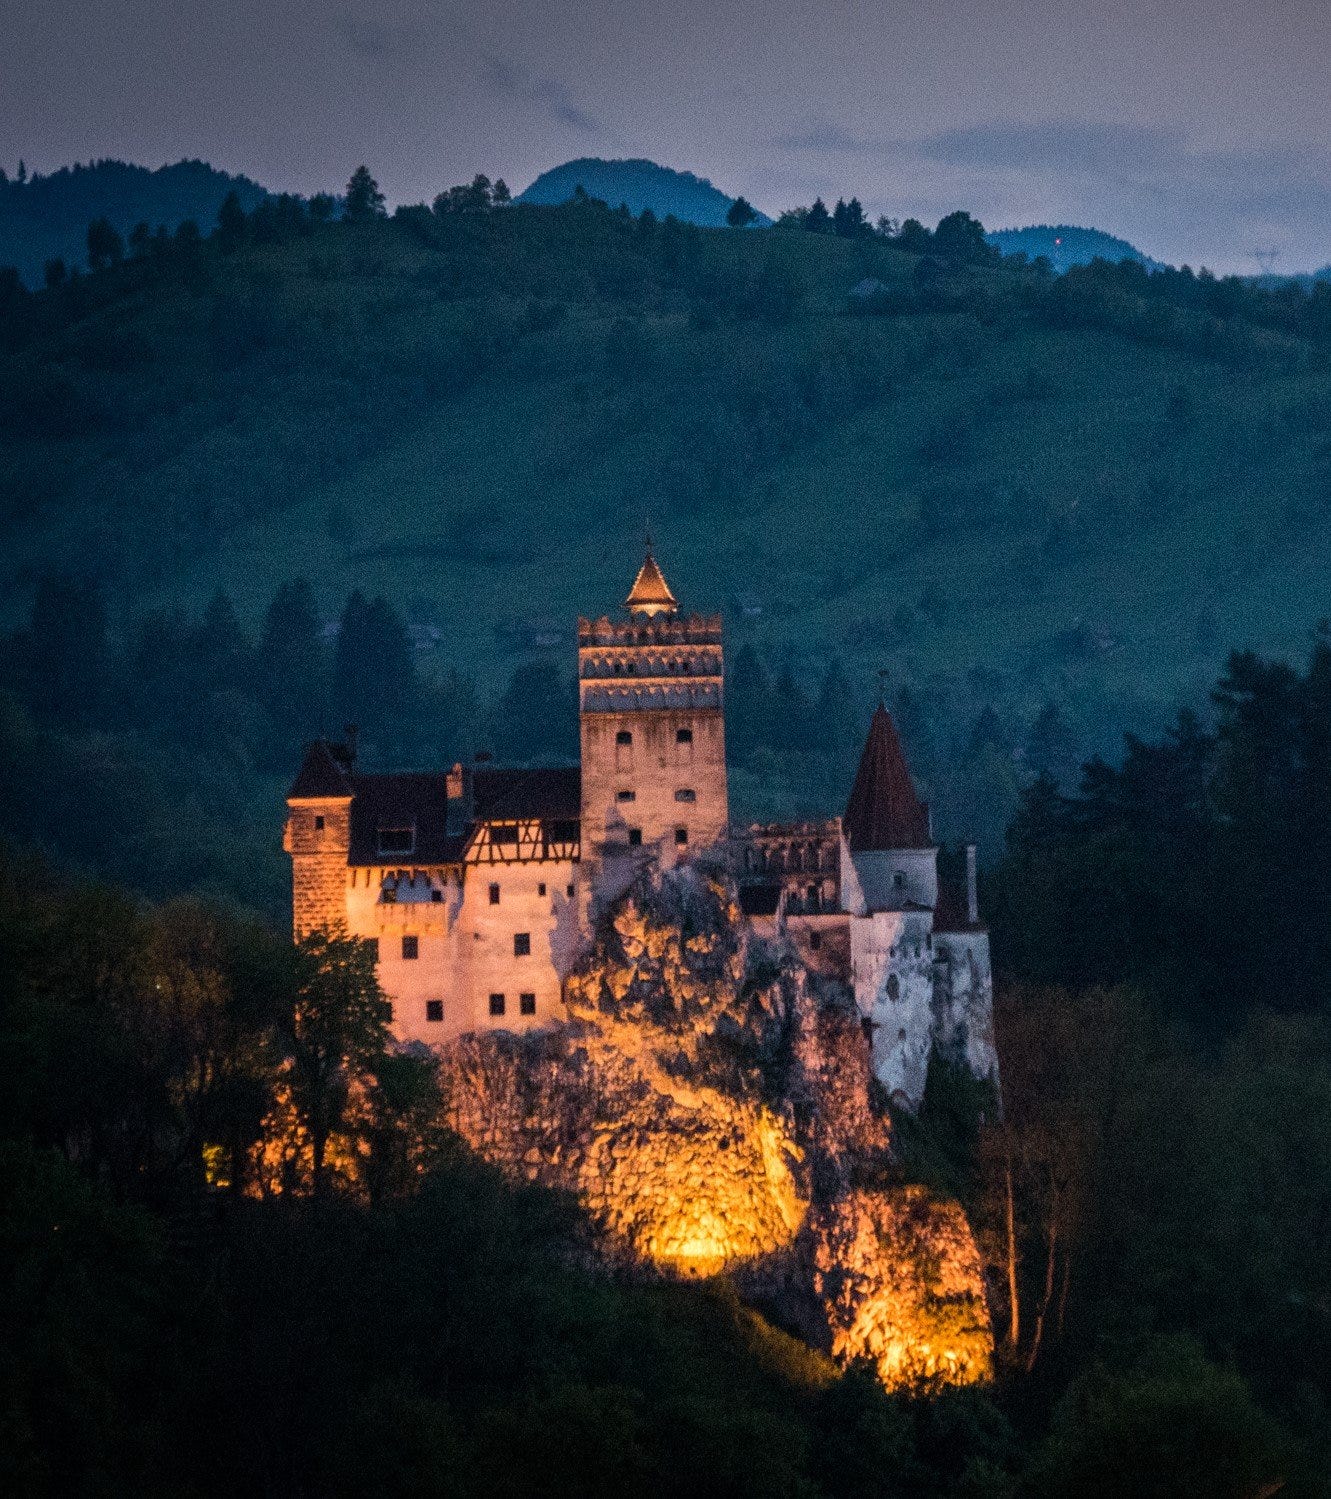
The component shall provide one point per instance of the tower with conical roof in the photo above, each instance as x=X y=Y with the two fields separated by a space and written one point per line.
x=887 y=828
x=652 y=728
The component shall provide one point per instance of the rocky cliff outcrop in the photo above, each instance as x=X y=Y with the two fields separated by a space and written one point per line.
x=709 y=1106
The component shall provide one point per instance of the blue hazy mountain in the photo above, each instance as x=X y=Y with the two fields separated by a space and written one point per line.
x=42 y=217
x=1066 y=245
x=639 y=183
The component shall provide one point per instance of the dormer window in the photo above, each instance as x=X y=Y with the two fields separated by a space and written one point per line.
x=397 y=840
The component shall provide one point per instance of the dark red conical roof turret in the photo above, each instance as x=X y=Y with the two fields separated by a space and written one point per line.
x=883 y=811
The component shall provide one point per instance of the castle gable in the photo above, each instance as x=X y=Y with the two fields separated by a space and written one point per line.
x=402 y=818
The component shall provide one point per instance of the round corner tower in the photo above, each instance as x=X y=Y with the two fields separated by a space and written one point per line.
x=652 y=727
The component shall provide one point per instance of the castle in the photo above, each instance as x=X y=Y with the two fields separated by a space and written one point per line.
x=478 y=885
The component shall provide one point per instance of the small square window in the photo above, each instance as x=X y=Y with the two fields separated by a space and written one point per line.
x=681 y=835
x=411 y=947
x=496 y=1004
x=686 y=794
x=373 y=944
x=635 y=837
x=434 y=1010
x=437 y=896
x=494 y=895
x=319 y=823
x=540 y=889
x=683 y=736
x=522 y=944
x=527 y=1004
x=569 y=892
x=626 y=796
x=624 y=737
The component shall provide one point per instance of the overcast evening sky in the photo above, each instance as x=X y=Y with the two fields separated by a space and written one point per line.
x=1196 y=128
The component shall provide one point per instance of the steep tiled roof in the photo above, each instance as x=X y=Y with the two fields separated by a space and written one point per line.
x=553 y=792
x=321 y=773
x=883 y=811
x=419 y=801
x=404 y=800
x=650 y=593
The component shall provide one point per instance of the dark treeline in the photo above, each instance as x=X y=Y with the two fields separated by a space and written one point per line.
x=1173 y=307
x=155 y=751
x=1199 y=868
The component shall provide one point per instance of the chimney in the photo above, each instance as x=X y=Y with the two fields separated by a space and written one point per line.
x=350 y=733
x=972 y=894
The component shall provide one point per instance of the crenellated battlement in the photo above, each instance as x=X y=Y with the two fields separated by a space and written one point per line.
x=660 y=629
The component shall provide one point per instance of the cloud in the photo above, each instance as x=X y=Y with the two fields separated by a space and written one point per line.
x=1097 y=148
x=1154 y=184
x=827 y=140
x=365 y=36
x=505 y=78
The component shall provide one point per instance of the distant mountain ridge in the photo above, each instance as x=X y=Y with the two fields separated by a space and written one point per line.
x=640 y=184
x=1066 y=245
x=43 y=217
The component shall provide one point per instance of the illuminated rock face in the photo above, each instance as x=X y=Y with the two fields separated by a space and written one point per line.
x=709 y=1107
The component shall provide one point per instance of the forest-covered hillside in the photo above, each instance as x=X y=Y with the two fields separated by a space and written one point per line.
x=638 y=184
x=1047 y=507
x=45 y=217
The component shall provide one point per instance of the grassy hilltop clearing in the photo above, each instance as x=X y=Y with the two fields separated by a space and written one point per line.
x=1046 y=506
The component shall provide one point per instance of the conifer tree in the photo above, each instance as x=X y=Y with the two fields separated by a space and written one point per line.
x=232 y=222
x=105 y=246
x=364 y=200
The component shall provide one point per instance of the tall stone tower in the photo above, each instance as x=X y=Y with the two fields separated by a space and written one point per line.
x=318 y=837
x=653 y=731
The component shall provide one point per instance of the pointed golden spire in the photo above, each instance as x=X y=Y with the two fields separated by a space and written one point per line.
x=650 y=593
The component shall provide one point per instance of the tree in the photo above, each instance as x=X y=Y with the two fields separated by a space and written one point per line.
x=105 y=247
x=374 y=669
x=748 y=703
x=537 y=714
x=500 y=196
x=232 y=222
x=1174 y=1424
x=55 y=273
x=741 y=214
x=293 y=669
x=364 y=201
x=818 y=220
x=848 y=219
x=140 y=240
x=335 y=1031
x=322 y=207
x=961 y=237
